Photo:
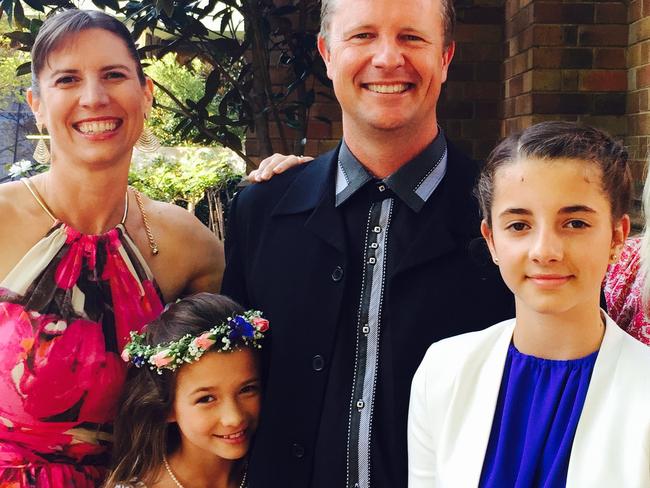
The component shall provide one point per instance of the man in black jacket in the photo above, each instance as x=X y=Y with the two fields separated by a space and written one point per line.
x=364 y=257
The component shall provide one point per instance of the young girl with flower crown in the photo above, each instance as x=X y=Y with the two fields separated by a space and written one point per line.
x=191 y=399
x=560 y=395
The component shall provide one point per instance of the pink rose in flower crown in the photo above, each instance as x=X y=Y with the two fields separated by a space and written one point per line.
x=126 y=357
x=204 y=341
x=161 y=359
x=262 y=325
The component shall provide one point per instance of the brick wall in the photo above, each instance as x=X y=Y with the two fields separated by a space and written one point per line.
x=470 y=108
x=638 y=77
x=565 y=60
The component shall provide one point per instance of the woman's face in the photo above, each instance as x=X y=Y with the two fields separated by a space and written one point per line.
x=91 y=99
x=217 y=404
x=552 y=233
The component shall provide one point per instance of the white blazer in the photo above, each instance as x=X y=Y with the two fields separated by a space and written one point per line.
x=454 y=395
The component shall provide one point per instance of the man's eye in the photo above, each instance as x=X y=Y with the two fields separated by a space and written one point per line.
x=362 y=35
x=410 y=37
x=115 y=75
x=248 y=389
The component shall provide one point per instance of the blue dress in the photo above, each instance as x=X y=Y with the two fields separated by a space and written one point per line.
x=535 y=421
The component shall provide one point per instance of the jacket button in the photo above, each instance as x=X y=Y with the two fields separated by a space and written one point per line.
x=297 y=450
x=337 y=274
x=318 y=362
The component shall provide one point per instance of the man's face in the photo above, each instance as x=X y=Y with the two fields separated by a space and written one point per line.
x=387 y=62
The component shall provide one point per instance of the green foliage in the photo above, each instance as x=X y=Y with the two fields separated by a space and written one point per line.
x=11 y=86
x=183 y=180
x=185 y=82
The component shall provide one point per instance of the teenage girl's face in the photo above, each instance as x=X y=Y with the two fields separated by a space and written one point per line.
x=552 y=233
x=217 y=404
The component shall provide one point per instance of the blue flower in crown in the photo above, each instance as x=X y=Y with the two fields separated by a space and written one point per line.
x=239 y=328
x=138 y=361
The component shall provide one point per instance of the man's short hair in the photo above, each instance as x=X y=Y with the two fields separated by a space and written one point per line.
x=448 y=19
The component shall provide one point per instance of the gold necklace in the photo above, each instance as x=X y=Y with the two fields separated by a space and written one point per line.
x=180 y=485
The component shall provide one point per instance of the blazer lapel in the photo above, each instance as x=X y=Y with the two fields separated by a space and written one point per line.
x=587 y=446
x=313 y=191
x=476 y=405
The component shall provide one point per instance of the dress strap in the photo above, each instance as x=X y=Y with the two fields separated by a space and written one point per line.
x=32 y=189
x=126 y=206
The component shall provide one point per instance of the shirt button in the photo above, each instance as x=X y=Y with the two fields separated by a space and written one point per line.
x=365 y=329
x=376 y=229
x=297 y=450
x=374 y=245
x=381 y=187
x=337 y=274
x=372 y=260
x=318 y=363
x=360 y=404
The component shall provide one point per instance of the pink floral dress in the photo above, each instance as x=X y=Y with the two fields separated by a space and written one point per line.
x=623 y=292
x=66 y=311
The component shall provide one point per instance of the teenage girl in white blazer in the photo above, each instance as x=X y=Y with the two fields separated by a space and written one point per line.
x=558 y=396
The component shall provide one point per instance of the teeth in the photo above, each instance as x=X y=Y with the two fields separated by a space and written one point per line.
x=397 y=88
x=97 y=127
x=236 y=435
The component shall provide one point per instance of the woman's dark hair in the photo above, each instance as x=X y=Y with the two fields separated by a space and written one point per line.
x=142 y=434
x=56 y=29
x=562 y=140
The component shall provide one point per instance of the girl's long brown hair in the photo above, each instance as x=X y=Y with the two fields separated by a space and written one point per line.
x=142 y=434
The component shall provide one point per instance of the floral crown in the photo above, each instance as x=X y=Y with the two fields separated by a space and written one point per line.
x=241 y=330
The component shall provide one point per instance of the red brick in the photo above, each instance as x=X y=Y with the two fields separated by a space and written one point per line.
x=643 y=77
x=603 y=80
x=550 y=57
x=524 y=104
x=563 y=13
x=481 y=15
x=602 y=35
x=482 y=33
x=569 y=80
x=610 y=58
x=555 y=103
x=609 y=104
x=461 y=72
x=515 y=86
x=635 y=10
x=611 y=13
x=645 y=7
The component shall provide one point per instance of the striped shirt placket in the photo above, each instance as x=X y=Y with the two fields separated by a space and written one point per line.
x=367 y=345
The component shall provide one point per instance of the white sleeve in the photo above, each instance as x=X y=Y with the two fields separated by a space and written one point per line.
x=421 y=453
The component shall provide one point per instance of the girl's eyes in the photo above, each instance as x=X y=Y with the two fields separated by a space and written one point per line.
x=205 y=399
x=517 y=226
x=577 y=224
x=250 y=389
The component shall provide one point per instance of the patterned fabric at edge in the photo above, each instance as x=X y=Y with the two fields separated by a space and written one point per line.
x=66 y=311
x=623 y=292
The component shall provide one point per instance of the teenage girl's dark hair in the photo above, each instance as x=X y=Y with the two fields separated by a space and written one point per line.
x=562 y=140
x=58 y=27
x=142 y=434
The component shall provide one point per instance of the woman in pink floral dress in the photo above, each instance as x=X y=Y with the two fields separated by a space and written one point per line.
x=79 y=254
x=624 y=290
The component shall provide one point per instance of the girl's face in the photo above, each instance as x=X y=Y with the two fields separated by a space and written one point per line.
x=91 y=99
x=217 y=404
x=552 y=233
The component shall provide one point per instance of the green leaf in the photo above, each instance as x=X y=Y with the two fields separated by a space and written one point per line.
x=35 y=4
x=24 y=69
x=26 y=38
x=7 y=7
x=19 y=15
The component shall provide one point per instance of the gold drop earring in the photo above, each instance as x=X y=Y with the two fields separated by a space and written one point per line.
x=41 y=152
x=147 y=142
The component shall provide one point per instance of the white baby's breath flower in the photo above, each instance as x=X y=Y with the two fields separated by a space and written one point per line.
x=19 y=168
